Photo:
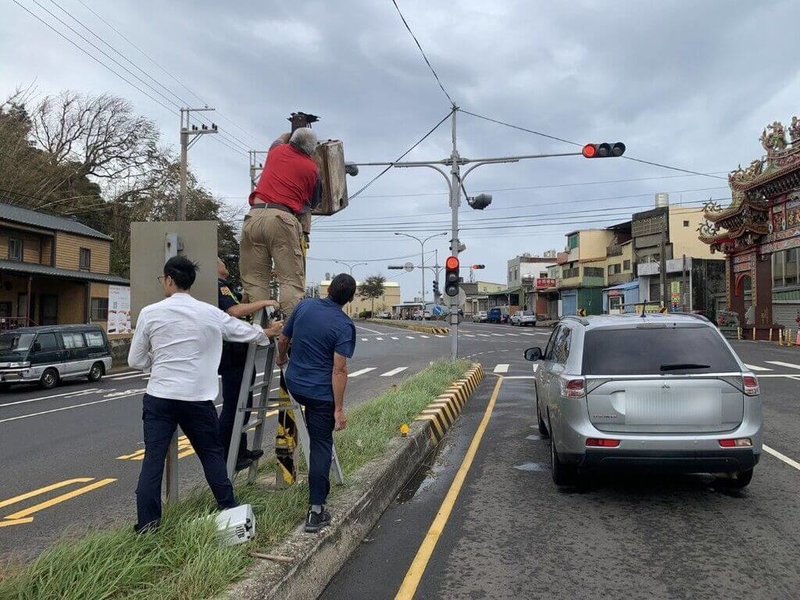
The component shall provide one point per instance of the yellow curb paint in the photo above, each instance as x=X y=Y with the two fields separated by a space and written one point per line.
x=434 y=425
x=423 y=556
x=44 y=490
x=59 y=499
x=451 y=412
x=16 y=522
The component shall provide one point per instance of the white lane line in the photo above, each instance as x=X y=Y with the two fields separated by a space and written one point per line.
x=755 y=368
x=483 y=334
x=394 y=372
x=380 y=339
x=134 y=376
x=441 y=336
x=361 y=372
x=64 y=395
x=395 y=338
x=411 y=337
x=501 y=368
x=55 y=410
x=364 y=339
x=513 y=334
x=527 y=333
x=782 y=364
x=370 y=330
x=122 y=374
x=499 y=334
x=468 y=335
x=783 y=457
x=425 y=336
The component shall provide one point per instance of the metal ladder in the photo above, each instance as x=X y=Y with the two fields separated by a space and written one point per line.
x=263 y=403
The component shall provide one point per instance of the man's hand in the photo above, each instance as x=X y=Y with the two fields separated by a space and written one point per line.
x=341 y=419
x=275 y=329
x=268 y=303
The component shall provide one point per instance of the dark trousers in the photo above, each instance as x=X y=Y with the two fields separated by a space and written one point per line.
x=320 y=423
x=232 y=376
x=199 y=422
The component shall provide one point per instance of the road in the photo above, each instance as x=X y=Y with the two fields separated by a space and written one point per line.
x=71 y=456
x=508 y=532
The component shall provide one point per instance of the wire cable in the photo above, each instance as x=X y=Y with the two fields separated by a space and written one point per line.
x=552 y=137
x=430 y=66
x=403 y=155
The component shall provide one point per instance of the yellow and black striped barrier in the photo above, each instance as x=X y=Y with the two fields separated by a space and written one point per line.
x=443 y=411
x=285 y=441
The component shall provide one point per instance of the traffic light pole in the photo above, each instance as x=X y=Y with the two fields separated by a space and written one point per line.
x=455 y=194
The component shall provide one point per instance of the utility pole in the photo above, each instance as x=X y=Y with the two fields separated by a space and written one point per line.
x=662 y=267
x=189 y=135
x=455 y=194
x=422 y=257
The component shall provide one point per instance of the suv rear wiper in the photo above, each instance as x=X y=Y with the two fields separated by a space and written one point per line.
x=676 y=366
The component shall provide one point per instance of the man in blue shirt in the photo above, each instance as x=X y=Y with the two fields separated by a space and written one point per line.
x=323 y=337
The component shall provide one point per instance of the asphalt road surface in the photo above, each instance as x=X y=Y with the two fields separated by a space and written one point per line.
x=508 y=532
x=71 y=456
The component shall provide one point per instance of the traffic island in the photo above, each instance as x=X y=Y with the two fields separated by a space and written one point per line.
x=184 y=559
x=431 y=329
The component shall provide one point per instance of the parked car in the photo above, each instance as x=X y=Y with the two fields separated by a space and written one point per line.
x=514 y=319
x=480 y=317
x=384 y=315
x=497 y=315
x=52 y=353
x=661 y=391
x=526 y=317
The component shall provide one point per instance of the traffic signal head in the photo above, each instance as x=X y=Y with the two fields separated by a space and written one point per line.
x=476 y=267
x=604 y=150
x=451 y=276
x=435 y=288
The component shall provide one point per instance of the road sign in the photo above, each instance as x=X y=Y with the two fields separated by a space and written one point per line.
x=408 y=267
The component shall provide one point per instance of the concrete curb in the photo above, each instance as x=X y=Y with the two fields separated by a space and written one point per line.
x=419 y=328
x=317 y=558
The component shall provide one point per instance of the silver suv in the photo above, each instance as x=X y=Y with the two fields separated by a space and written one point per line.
x=661 y=390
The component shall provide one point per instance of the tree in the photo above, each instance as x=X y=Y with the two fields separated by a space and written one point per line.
x=372 y=288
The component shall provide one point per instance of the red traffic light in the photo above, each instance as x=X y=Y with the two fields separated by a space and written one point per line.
x=451 y=263
x=604 y=150
x=476 y=267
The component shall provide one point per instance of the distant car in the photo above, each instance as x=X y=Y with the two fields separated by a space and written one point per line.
x=496 y=315
x=417 y=315
x=526 y=317
x=514 y=319
x=480 y=317
x=384 y=315
x=426 y=315
x=660 y=391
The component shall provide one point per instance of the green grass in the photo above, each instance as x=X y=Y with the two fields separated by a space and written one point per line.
x=183 y=559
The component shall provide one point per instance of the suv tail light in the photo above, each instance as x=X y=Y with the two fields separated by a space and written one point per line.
x=603 y=443
x=573 y=387
x=737 y=443
x=750 y=385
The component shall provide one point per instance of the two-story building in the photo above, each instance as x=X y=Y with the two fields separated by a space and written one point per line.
x=391 y=297
x=521 y=291
x=52 y=270
x=583 y=271
x=477 y=294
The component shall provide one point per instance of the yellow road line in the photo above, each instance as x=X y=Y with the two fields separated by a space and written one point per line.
x=417 y=569
x=16 y=522
x=59 y=499
x=44 y=490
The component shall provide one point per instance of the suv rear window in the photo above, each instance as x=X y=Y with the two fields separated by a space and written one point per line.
x=656 y=351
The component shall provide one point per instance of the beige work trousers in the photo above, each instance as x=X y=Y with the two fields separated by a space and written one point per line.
x=271 y=247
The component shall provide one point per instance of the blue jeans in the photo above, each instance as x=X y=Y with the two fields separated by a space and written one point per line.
x=320 y=423
x=198 y=420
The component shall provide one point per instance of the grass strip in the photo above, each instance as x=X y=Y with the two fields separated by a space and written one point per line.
x=183 y=560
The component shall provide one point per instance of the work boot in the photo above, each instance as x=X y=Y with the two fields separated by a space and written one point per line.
x=315 y=521
x=243 y=463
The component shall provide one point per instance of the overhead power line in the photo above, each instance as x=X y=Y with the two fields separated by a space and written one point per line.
x=369 y=259
x=552 y=137
x=416 y=41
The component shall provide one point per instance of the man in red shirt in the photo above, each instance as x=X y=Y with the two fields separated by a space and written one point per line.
x=289 y=185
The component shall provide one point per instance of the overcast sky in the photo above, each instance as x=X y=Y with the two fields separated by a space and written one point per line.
x=684 y=83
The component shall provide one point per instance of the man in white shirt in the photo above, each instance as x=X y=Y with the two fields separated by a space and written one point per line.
x=180 y=340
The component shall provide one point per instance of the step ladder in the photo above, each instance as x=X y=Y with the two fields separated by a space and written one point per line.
x=291 y=422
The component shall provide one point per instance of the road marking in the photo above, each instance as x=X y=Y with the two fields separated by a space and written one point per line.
x=483 y=334
x=501 y=368
x=370 y=330
x=64 y=395
x=364 y=339
x=55 y=410
x=44 y=490
x=423 y=556
x=755 y=368
x=782 y=364
x=394 y=371
x=16 y=522
x=411 y=337
x=782 y=457
x=526 y=333
x=513 y=334
x=425 y=336
x=380 y=339
x=440 y=336
x=361 y=372
x=134 y=376
x=122 y=374
x=59 y=499
x=499 y=334
x=468 y=335
x=395 y=338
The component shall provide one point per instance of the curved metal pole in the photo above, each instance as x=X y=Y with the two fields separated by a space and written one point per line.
x=435 y=168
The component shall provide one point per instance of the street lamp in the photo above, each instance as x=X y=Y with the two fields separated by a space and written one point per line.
x=350 y=266
x=422 y=252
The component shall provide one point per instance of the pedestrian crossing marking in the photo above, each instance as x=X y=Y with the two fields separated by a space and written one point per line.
x=361 y=371
x=755 y=368
x=440 y=336
x=483 y=334
x=513 y=334
x=425 y=336
x=395 y=338
x=498 y=334
x=380 y=339
x=501 y=368
x=411 y=337
x=394 y=371
x=364 y=339
x=468 y=335
x=783 y=364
